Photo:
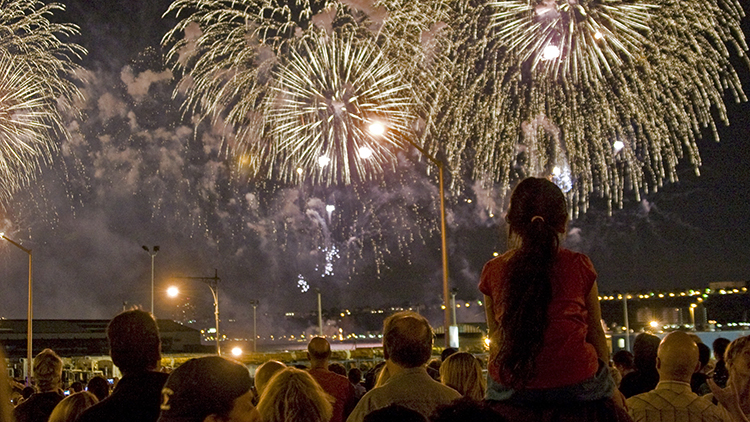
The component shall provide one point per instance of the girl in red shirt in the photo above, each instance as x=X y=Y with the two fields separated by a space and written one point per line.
x=542 y=308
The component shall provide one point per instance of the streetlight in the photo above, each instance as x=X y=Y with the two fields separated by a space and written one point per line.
x=30 y=311
x=378 y=129
x=152 y=253
x=213 y=284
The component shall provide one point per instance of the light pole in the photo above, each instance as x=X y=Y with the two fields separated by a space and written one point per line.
x=320 y=314
x=454 y=291
x=152 y=253
x=255 y=304
x=30 y=310
x=213 y=284
x=627 y=321
x=378 y=129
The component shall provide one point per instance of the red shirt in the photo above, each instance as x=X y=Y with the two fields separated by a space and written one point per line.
x=340 y=388
x=565 y=358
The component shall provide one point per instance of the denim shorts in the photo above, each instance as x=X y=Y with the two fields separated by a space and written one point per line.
x=600 y=386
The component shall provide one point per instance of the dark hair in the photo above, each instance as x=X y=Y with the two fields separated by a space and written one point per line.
x=447 y=352
x=407 y=339
x=355 y=376
x=77 y=386
x=337 y=368
x=537 y=215
x=720 y=346
x=465 y=409
x=645 y=350
x=319 y=349
x=134 y=342
x=27 y=392
x=99 y=387
x=394 y=413
x=623 y=358
x=704 y=354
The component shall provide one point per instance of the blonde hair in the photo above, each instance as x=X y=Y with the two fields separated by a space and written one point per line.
x=463 y=373
x=734 y=349
x=292 y=395
x=71 y=407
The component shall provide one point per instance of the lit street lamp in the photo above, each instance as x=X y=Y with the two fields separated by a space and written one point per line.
x=30 y=311
x=152 y=253
x=378 y=129
x=213 y=284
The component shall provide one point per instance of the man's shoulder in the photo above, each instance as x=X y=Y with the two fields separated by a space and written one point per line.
x=665 y=398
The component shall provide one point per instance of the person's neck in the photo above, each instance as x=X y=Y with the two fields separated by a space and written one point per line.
x=669 y=377
x=394 y=368
x=319 y=364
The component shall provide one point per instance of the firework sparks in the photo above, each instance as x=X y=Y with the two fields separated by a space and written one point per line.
x=249 y=63
x=326 y=99
x=630 y=86
x=36 y=88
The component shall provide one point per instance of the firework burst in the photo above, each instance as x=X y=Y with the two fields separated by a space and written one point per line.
x=232 y=53
x=36 y=88
x=340 y=109
x=615 y=92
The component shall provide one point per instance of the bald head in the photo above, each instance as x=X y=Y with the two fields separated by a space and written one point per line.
x=319 y=349
x=265 y=372
x=677 y=358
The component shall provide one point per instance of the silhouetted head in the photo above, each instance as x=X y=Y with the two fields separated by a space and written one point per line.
x=70 y=408
x=293 y=395
x=134 y=342
x=99 y=387
x=407 y=339
x=534 y=204
x=720 y=346
x=645 y=348
x=48 y=370
x=394 y=413
x=208 y=389
x=265 y=372
x=319 y=349
x=463 y=372
x=677 y=357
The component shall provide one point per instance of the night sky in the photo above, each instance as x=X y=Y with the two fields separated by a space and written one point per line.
x=135 y=172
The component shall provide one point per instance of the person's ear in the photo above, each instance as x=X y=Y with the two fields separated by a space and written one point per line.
x=697 y=367
x=658 y=363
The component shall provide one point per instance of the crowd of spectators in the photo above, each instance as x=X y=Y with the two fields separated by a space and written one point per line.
x=548 y=361
x=217 y=389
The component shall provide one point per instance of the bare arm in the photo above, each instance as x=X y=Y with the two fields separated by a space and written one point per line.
x=595 y=334
x=729 y=400
x=490 y=314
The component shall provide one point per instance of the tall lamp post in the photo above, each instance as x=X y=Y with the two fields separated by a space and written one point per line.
x=213 y=284
x=152 y=253
x=255 y=304
x=30 y=311
x=320 y=314
x=379 y=129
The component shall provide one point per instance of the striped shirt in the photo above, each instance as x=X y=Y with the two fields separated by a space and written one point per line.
x=673 y=401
